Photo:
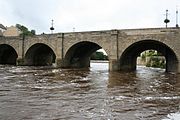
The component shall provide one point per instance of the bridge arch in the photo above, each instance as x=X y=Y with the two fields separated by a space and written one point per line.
x=8 y=54
x=40 y=54
x=78 y=55
x=129 y=56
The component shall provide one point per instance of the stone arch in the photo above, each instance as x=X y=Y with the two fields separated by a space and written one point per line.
x=40 y=54
x=30 y=42
x=78 y=55
x=8 y=54
x=130 y=54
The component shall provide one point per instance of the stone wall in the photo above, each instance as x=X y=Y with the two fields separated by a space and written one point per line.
x=11 y=31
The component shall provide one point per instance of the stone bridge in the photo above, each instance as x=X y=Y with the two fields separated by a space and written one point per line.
x=73 y=50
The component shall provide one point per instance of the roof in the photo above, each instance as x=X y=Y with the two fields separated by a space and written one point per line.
x=2 y=27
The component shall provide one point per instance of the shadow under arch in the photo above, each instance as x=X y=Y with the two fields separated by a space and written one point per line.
x=8 y=54
x=40 y=54
x=78 y=56
x=129 y=56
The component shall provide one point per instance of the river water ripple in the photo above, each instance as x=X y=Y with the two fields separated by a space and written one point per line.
x=42 y=93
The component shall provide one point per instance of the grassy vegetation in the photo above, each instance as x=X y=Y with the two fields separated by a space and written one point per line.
x=25 y=31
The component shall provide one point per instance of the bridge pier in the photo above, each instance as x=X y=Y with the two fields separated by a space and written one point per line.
x=59 y=62
x=172 y=64
x=113 y=65
x=128 y=63
x=20 y=61
x=116 y=65
x=77 y=63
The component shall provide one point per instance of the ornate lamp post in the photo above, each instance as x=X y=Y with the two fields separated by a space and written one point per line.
x=177 y=26
x=166 y=20
x=52 y=28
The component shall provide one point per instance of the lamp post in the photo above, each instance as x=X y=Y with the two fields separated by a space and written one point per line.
x=177 y=26
x=166 y=20
x=52 y=28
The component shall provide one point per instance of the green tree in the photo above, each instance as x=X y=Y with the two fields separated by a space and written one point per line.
x=155 y=59
x=99 y=56
x=25 y=31
x=33 y=32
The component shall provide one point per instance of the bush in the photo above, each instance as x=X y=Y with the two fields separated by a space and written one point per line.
x=157 y=62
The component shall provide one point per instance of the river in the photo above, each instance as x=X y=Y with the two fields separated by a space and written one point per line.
x=43 y=93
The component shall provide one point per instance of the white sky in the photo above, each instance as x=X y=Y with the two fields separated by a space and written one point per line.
x=87 y=15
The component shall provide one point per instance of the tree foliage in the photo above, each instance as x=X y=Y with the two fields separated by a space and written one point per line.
x=25 y=31
x=155 y=59
x=150 y=53
x=99 y=56
x=157 y=62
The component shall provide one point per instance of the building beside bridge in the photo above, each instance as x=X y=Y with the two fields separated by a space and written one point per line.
x=2 y=29
x=9 y=31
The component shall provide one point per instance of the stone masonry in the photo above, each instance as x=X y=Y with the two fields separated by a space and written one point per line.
x=74 y=49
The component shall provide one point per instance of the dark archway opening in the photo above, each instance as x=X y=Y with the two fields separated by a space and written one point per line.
x=80 y=54
x=8 y=55
x=128 y=60
x=40 y=55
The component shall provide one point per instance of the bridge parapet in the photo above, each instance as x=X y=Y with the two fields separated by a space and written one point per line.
x=150 y=31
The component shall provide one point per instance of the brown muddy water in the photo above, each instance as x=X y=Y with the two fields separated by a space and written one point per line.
x=41 y=93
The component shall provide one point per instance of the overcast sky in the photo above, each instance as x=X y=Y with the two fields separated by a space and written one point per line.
x=87 y=15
